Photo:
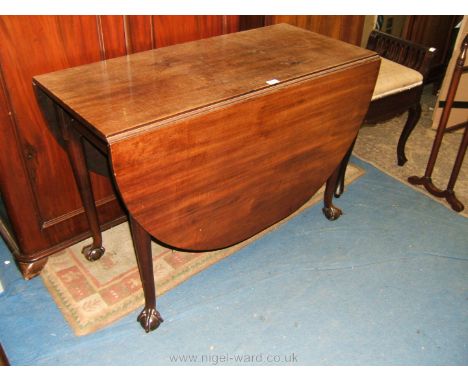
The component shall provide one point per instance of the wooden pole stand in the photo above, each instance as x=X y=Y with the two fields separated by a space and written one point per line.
x=426 y=180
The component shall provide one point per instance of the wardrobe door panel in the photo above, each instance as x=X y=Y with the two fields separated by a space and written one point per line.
x=345 y=28
x=33 y=45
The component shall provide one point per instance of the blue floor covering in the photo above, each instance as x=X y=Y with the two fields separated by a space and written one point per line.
x=386 y=284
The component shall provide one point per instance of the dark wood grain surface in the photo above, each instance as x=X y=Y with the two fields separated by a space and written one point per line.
x=118 y=95
x=205 y=152
x=223 y=175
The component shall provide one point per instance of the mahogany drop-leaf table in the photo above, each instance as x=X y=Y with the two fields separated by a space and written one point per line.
x=212 y=141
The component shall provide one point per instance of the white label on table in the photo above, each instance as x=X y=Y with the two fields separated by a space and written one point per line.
x=273 y=81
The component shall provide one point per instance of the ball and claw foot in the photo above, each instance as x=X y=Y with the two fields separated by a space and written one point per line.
x=92 y=253
x=332 y=212
x=149 y=319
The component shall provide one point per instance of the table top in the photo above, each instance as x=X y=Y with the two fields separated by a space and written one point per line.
x=126 y=93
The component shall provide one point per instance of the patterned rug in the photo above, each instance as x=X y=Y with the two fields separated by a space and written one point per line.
x=377 y=144
x=91 y=295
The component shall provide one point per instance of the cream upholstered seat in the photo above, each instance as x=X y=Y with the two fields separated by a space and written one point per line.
x=395 y=78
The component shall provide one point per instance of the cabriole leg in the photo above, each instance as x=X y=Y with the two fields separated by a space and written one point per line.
x=329 y=210
x=342 y=171
x=149 y=317
x=414 y=113
x=77 y=158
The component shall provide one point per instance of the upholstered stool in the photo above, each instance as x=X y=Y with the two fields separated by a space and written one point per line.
x=395 y=78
